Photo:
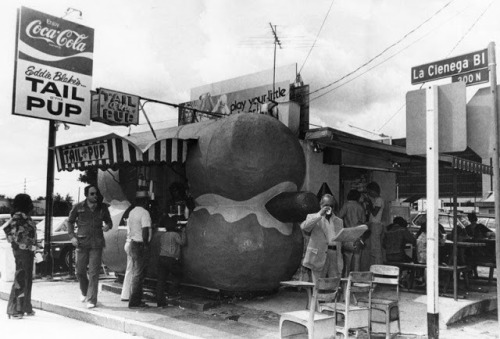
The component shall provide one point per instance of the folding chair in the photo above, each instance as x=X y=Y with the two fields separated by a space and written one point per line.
x=316 y=325
x=355 y=316
x=385 y=275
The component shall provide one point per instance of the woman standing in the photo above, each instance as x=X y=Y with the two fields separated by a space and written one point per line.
x=21 y=233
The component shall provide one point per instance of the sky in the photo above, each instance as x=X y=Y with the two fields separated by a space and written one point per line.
x=161 y=49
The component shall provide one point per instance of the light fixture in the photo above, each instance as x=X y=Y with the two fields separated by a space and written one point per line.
x=317 y=148
x=58 y=123
x=395 y=164
x=71 y=10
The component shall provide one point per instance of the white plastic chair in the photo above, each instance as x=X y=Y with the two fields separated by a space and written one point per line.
x=310 y=322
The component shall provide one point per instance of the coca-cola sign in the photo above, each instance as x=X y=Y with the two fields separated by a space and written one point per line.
x=67 y=38
x=54 y=59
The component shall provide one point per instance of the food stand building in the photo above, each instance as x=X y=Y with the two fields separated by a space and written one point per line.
x=253 y=177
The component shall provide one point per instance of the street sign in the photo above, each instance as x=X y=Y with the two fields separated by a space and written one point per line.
x=452 y=119
x=473 y=78
x=480 y=119
x=448 y=67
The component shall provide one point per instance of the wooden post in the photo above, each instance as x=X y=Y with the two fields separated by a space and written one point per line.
x=432 y=169
x=496 y=169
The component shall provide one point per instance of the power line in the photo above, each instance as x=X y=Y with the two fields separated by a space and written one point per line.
x=470 y=28
x=385 y=50
x=454 y=47
x=383 y=61
x=317 y=35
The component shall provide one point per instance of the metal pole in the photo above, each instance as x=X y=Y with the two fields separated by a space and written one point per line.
x=49 y=198
x=496 y=169
x=274 y=68
x=432 y=152
x=455 y=235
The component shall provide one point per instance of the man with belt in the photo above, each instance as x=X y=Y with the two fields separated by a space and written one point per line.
x=92 y=218
x=139 y=233
x=323 y=255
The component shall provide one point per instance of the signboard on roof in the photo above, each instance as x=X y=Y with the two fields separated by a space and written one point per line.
x=251 y=100
x=115 y=108
x=449 y=67
x=53 y=68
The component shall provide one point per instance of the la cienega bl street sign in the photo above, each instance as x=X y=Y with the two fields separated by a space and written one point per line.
x=449 y=67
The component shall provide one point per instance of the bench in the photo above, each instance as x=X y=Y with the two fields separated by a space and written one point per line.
x=414 y=267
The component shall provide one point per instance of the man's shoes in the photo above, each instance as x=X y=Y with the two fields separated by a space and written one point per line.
x=83 y=298
x=30 y=314
x=141 y=305
x=90 y=305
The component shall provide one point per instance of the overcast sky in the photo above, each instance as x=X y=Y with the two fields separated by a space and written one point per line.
x=161 y=49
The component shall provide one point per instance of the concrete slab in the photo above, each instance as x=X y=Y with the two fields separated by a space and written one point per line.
x=238 y=318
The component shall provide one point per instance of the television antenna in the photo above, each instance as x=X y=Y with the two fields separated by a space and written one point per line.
x=276 y=42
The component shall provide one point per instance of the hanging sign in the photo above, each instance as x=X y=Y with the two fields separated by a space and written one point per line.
x=449 y=67
x=87 y=153
x=53 y=68
x=115 y=108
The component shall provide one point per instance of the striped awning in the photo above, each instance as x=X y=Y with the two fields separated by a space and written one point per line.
x=470 y=166
x=112 y=150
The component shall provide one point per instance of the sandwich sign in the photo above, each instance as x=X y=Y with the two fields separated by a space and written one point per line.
x=53 y=71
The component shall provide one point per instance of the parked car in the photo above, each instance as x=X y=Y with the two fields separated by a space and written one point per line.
x=62 y=249
x=445 y=219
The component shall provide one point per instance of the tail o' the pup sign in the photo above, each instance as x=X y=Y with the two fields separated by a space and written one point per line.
x=53 y=71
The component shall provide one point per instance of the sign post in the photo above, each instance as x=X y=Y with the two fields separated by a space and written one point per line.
x=432 y=169
x=496 y=168
x=52 y=81
x=49 y=192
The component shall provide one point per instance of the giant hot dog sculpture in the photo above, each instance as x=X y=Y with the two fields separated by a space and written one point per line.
x=244 y=173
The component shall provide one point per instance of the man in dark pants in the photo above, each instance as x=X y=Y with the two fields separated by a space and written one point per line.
x=139 y=233
x=92 y=218
x=169 y=261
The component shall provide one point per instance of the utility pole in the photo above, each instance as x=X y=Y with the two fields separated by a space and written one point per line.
x=496 y=153
x=276 y=42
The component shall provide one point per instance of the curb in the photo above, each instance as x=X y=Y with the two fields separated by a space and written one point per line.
x=111 y=322
x=476 y=308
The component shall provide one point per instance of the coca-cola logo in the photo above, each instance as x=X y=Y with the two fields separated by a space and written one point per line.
x=66 y=38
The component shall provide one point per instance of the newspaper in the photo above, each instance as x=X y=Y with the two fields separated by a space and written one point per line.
x=350 y=234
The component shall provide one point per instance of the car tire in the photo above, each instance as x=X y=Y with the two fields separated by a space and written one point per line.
x=66 y=257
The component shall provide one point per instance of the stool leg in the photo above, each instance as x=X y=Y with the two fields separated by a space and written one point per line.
x=399 y=323
x=387 y=323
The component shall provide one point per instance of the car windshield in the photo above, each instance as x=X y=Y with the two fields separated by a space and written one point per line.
x=58 y=226
x=444 y=219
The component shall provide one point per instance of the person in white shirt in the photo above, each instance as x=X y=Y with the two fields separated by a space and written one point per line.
x=139 y=233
